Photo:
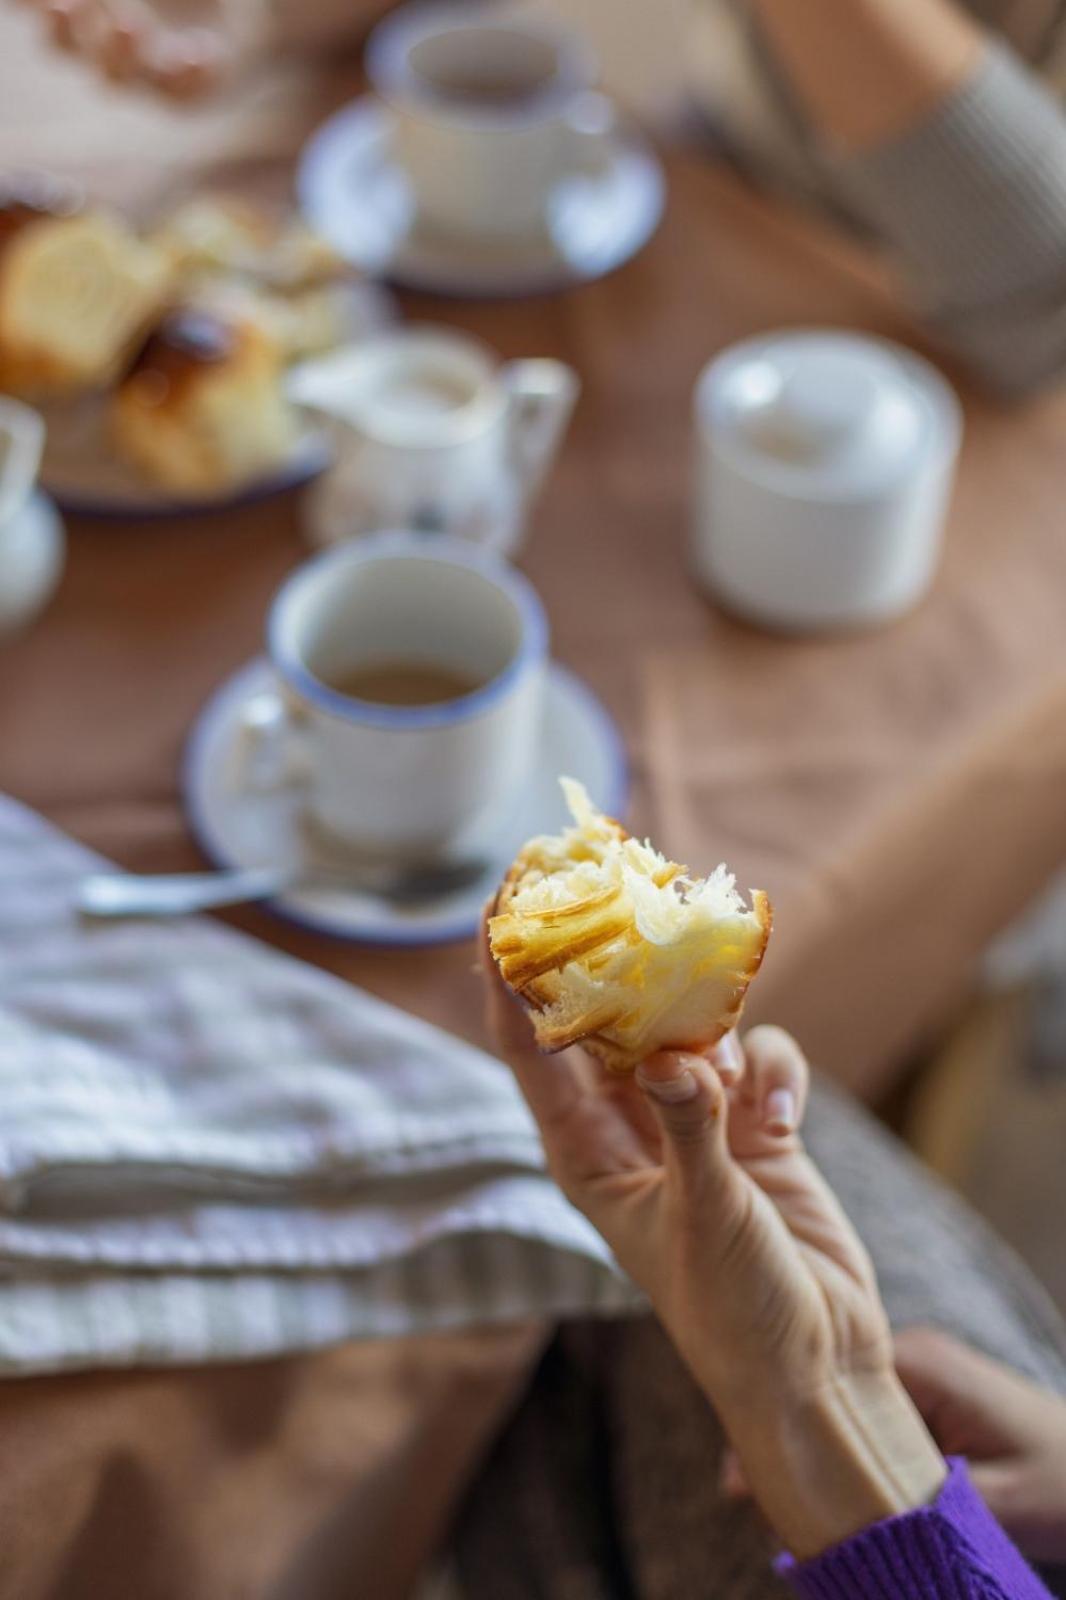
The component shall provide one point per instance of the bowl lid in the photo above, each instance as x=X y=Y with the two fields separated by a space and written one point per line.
x=825 y=414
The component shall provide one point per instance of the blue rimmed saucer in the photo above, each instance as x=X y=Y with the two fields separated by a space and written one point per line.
x=237 y=825
x=352 y=192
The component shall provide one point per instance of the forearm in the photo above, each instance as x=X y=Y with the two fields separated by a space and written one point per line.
x=954 y=155
x=866 y=71
x=838 y=1461
x=851 y=1480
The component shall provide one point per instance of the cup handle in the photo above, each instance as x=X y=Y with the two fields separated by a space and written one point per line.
x=271 y=751
x=542 y=396
x=593 y=123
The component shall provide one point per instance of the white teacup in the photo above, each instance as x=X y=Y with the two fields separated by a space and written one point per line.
x=404 y=782
x=433 y=433
x=490 y=113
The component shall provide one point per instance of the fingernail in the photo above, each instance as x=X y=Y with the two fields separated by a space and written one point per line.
x=729 y=1057
x=780 y=1114
x=670 y=1091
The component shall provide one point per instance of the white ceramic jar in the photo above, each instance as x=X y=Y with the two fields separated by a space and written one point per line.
x=824 y=467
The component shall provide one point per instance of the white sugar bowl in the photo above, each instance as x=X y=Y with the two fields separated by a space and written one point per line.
x=824 y=467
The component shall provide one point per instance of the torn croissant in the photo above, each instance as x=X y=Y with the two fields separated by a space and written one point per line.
x=613 y=946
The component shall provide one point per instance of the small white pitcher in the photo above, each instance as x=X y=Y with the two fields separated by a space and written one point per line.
x=433 y=433
x=31 y=534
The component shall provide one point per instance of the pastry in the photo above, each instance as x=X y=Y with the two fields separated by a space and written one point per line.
x=215 y=234
x=304 y=323
x=77 y=289
x=201 y=409
x=612 y=946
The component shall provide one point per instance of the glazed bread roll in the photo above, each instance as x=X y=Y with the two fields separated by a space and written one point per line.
x=201 y=410
x=614 y=947
x=77 y=289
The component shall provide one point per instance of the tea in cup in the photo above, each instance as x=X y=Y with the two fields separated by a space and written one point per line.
x=411 y=671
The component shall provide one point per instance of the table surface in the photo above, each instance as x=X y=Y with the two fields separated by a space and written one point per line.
x=860 y=781
x=898 y=793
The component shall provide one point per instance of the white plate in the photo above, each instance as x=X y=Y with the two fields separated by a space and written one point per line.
x=354 y=194
x=86 y=478
x=237 y=827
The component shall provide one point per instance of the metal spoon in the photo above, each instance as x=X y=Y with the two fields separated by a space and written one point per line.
x=127 y=894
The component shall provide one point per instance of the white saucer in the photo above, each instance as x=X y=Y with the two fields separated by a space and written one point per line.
x=236 y=827
x=354 y=194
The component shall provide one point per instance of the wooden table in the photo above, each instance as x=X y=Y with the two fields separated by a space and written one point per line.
x=898 y=793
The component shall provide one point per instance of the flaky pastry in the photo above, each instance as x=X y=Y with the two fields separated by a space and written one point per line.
x=77 y=288
x=614 y=947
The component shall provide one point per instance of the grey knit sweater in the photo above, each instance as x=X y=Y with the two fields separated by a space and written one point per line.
x=972 y=203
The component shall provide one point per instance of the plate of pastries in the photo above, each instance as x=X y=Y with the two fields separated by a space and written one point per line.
x=157 y=355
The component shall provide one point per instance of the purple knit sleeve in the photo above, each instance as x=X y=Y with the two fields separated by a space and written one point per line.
x=953 y=1549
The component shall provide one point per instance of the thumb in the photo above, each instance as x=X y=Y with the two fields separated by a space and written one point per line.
x=688 y=1102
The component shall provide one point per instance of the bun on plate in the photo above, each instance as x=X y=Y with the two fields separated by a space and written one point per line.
x=201 y=409
x=77 y=289
x=614 y=947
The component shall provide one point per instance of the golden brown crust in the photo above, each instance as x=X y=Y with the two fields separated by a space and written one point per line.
x=77 y=288
x=532 y=969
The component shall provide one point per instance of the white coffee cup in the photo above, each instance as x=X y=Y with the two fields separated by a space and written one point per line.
x=409 y=783
x=824 y=467
x=433 y=432
x=490 y=113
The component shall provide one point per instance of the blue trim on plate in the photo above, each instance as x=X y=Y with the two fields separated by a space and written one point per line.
x=415 y=547
x=462 y=928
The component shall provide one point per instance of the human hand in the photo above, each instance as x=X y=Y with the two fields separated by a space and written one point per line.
x=182 y=52
x=694 y=1173
x=1012 y=1432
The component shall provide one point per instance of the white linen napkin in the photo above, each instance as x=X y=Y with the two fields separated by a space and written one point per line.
x=210 y=1151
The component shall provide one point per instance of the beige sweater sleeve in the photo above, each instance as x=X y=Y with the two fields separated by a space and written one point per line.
x=973 y=203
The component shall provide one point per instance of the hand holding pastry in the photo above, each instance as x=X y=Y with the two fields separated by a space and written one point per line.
x=692 y=1169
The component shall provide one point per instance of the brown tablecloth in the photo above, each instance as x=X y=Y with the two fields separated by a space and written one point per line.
x=899 y=795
